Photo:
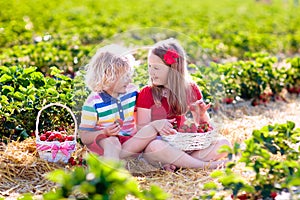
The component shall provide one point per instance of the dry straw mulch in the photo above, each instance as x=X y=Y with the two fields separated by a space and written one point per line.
x=22 y=171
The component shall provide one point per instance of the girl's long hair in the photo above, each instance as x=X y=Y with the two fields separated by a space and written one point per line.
x=178 y=81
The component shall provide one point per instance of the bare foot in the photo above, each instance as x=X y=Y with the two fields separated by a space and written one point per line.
x=218 y=164
x=169 y=167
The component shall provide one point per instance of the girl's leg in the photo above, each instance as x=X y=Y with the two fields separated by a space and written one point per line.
x=138 y=142
x=211 y=152
x=161 y=152
x=111 y=146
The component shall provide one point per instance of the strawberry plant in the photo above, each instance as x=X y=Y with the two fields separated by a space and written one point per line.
x=271 y=162
x=100 y=179
x=24 y=91
x=292 y=82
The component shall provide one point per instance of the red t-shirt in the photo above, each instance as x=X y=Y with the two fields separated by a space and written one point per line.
x=145 y=100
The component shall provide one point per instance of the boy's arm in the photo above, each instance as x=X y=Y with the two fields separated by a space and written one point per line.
x=88 y=137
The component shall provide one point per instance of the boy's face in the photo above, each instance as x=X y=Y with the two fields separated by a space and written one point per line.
x=120 y=86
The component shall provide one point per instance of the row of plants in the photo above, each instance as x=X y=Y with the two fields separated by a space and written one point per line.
x=260 y=78
x=25 y=90
x=272 y=28
x=269 y=162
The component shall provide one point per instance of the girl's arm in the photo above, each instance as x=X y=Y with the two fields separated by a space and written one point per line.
x=143 y=117
x=162 y=126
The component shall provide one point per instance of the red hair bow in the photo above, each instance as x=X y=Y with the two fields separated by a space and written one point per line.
x=170 y=56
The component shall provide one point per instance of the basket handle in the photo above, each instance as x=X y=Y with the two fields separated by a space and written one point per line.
x=49 y=105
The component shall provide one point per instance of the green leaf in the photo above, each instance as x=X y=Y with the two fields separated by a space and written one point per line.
x=210 y=185
x=52 y=92
x=19 y=95
x=216 y=173
x=29 y=70
x=5 y=78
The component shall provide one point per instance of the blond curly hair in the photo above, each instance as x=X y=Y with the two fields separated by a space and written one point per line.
x=104 y=69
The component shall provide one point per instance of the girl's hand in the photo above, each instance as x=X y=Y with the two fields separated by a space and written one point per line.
x=164 y=126
x=203 y=107
x=112 y=130
x=200 y=107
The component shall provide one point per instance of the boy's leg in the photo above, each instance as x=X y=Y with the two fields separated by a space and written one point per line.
x=138 y=142
x=111 y=146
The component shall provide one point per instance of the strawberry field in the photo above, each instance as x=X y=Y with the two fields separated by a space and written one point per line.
x=244 y=55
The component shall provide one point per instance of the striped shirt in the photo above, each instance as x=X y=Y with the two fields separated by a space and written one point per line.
x=101 y=110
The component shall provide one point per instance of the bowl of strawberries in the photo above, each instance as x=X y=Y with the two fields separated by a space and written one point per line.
x=191 y=136
x=56 y=145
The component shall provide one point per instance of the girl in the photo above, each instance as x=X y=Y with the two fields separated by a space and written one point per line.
x=168 y=98
x=112 y=100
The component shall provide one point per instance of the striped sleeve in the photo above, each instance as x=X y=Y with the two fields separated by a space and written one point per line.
x=88 y=115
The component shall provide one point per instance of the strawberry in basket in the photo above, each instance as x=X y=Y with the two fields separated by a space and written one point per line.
x=191 y=127
x=60 y=136
x=204 y=127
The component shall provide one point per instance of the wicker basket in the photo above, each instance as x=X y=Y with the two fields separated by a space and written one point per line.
x=191 y=141
x=55 y=151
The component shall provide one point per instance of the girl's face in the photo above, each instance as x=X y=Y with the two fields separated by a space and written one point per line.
x=120 y=86
x=157 y=69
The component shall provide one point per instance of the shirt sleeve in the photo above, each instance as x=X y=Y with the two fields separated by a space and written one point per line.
x=88 y=115
x=145 y=98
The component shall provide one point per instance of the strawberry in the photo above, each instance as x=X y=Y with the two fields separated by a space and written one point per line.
x=70 y=138
x=200 y=130
x=181 y=130
x=58 y=135
x=273 y=195
x=48 y=133
x=193 y=128
x=243 y=196
x=120 y=122
x=51 y=137
x=43 y=137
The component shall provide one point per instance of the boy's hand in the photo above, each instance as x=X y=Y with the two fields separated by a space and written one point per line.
x=112 y=130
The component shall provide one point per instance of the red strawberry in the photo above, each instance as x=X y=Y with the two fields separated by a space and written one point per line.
x=43 y=137
x=273 y=195
x=193 y=128
x=243 y=196
x=181 y=130
x=48 y=133
x=51 y=137
x=120 y=122
x=58 y=135
x=200 y=130
x=72 y=161
x=70 y=138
